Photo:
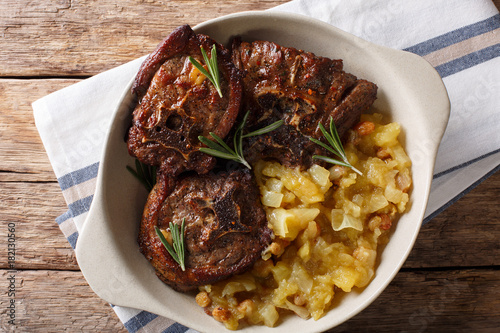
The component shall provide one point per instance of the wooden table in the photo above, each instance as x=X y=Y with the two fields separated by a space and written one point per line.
x=450 y=282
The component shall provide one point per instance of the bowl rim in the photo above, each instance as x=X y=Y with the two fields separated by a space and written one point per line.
x=87 y=254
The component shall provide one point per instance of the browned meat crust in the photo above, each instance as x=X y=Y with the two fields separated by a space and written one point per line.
x=302 y=89
x=177 y=104
x=226 y=227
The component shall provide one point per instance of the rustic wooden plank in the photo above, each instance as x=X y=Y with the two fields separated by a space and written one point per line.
x=442 y=301
x=86 y=37
x=31 y=208
x=22 y=151
x=60 y=38
x=427 y=301
x=52 y=301
x=465 y=235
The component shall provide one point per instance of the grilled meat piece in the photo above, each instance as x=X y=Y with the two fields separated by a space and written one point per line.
x=301 y=88
x=226 y=226
x=176 y=104
x=225 y=231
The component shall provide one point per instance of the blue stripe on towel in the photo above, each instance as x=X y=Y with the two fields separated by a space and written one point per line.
x=78 y=176
x=468 y=61
x=459 y=196
x=176 y=328
x=138 y=321
x=64 y=217
x=75 y=208
x=72 y=239
x=80 y=206
x=464 y=165
x=456 y=36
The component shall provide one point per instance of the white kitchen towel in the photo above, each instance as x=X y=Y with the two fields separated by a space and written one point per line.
x=460 y=38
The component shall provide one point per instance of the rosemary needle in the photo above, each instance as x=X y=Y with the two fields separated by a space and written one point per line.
x=213 y=70
x=146 y=174
x=177 y=249
x=336 y=147
x=222 y=150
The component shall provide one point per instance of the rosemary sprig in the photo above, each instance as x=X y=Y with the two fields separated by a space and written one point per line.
x=177 y=249
x=213 y=71
x=222 y=150
x=146 y=174
x=336 y=147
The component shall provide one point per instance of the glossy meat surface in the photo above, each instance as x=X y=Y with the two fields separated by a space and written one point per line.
x=226 y=226
x=302 y=89
x=225 y=231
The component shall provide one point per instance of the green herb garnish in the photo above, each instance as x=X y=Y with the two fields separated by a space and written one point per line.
x=222 y=150
x=336 y=147
x=213 y=71
x=177 y=249
x=146 y=174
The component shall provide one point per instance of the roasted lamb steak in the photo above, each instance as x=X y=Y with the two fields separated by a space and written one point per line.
x=302 y=89
x=225 y=231
x=176 y=104
x=226 y=226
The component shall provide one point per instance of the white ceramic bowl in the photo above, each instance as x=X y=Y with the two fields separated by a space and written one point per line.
x=410 y=92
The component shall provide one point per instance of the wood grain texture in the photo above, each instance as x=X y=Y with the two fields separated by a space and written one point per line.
x=465 y=234
x=428 y=301
x=424 y=301
x=450 y=282
x=447 y=241
x=65 y=37
x=56 y=301
x=434 y=298
x=23 y=155
x=75 y=38
x=39 y=242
